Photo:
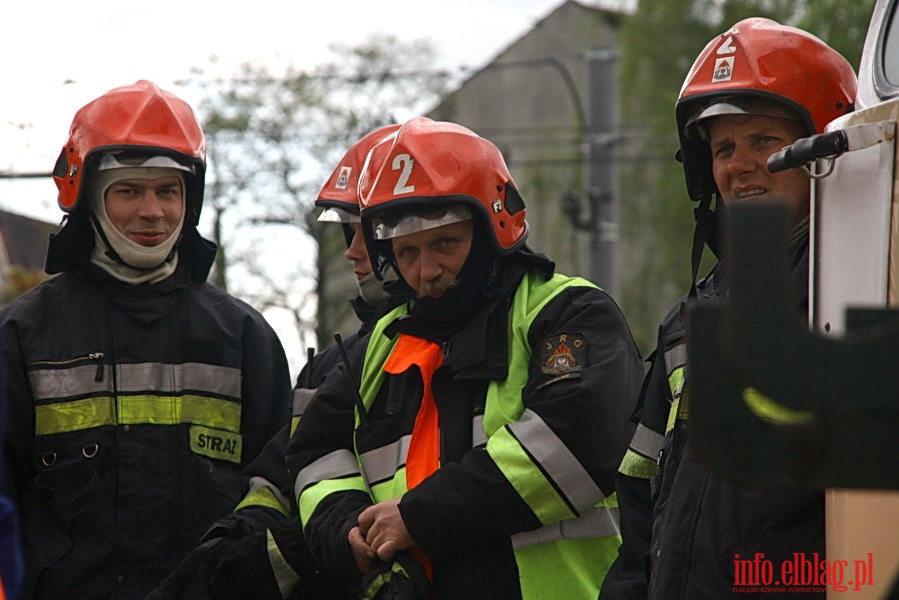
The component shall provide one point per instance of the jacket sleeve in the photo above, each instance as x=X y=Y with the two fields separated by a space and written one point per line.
x=265 y=388
x=558 y=459
x=628 y=577
x=328 y=485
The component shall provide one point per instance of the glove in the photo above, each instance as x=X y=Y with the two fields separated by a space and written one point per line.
x=272 y=564
x=185 y=581
x=402 y=579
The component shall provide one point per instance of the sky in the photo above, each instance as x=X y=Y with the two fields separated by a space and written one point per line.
x=58 y=56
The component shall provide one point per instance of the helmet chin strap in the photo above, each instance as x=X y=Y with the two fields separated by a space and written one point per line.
x=704 y=234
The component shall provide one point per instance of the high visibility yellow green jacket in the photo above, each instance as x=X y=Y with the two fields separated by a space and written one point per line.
x=533 y=394
x=135 y=409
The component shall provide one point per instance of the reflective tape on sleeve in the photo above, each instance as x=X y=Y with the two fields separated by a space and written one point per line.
x=637 y=465
x=264 y=493
x=382 y=463
x=647 y=442
x=286 y=578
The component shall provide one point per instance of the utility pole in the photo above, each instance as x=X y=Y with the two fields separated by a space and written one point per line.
x=602 y=70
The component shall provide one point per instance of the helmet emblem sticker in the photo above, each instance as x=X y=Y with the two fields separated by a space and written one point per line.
x=724 y=69
x=497 y=206
x=344 y=177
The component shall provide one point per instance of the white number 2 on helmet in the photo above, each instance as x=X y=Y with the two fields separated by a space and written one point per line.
x=404 y=162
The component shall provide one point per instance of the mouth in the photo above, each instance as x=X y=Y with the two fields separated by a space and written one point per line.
x=748 y=193
x=149 y=238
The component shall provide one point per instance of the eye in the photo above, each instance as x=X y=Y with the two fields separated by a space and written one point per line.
x=446 y=244
x=722 y=150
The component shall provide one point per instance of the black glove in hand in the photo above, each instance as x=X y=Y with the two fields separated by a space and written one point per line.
x=186 y=581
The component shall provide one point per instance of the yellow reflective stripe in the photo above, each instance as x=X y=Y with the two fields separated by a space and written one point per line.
x=261 y=494
x=169 y=410
x=73 y=416
x=673 y=414
x=137 y=410
x=766 y=408
x=312 y=495
x=391 y=488
x=636 y=465
x=526 y=478
x=285 y=576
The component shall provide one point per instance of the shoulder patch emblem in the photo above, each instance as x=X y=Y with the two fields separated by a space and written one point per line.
x=562 y=354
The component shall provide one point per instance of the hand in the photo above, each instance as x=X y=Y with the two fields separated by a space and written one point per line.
x=384 y=529
x=365 y=557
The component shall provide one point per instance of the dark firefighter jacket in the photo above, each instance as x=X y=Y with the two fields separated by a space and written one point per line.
x=465 y=516
x=135 y=409
x=269 y=500
x=683 y=525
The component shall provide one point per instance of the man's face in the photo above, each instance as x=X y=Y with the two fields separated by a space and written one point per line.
x=146 y=211
x=357 y=253
x=430 y=260
x=741 y=145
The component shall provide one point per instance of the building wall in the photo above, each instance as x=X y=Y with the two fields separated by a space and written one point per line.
x=532 y=100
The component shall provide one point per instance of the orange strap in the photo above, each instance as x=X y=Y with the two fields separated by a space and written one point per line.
x=423 y=457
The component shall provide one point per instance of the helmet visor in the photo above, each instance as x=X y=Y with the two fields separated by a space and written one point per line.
x=697 y=124
x=337 y=215
x=389 y=226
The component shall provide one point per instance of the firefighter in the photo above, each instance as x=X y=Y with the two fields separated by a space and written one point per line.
x=468 y=448
x=258 y=550
x=753 y=90
x=139 y=391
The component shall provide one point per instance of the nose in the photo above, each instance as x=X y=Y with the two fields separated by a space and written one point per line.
x=356 y=251
x=429 y=265
x=150 y=206
x=742 y=160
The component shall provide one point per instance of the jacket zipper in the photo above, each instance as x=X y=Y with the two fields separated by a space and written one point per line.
x=93 y=356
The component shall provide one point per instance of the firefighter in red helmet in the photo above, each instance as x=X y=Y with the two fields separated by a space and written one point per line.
x=474 y=434
x=139 y=391
x=753 y=90
x=258 y=551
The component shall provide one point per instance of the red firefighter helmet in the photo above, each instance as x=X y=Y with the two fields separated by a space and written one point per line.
x=339 y=196
x=132 y=121
x=427 y=165
x=760 y=59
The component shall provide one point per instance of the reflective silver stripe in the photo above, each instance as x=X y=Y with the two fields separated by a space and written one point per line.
x=301 y=398
x=339 y=463
x=261 y=483
x=676 y=357
x=598 y=522
x=381 y=463
x=647 y=442
x=556 y=460
x=140 y=377
x=478 y=435
x=285 y=576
